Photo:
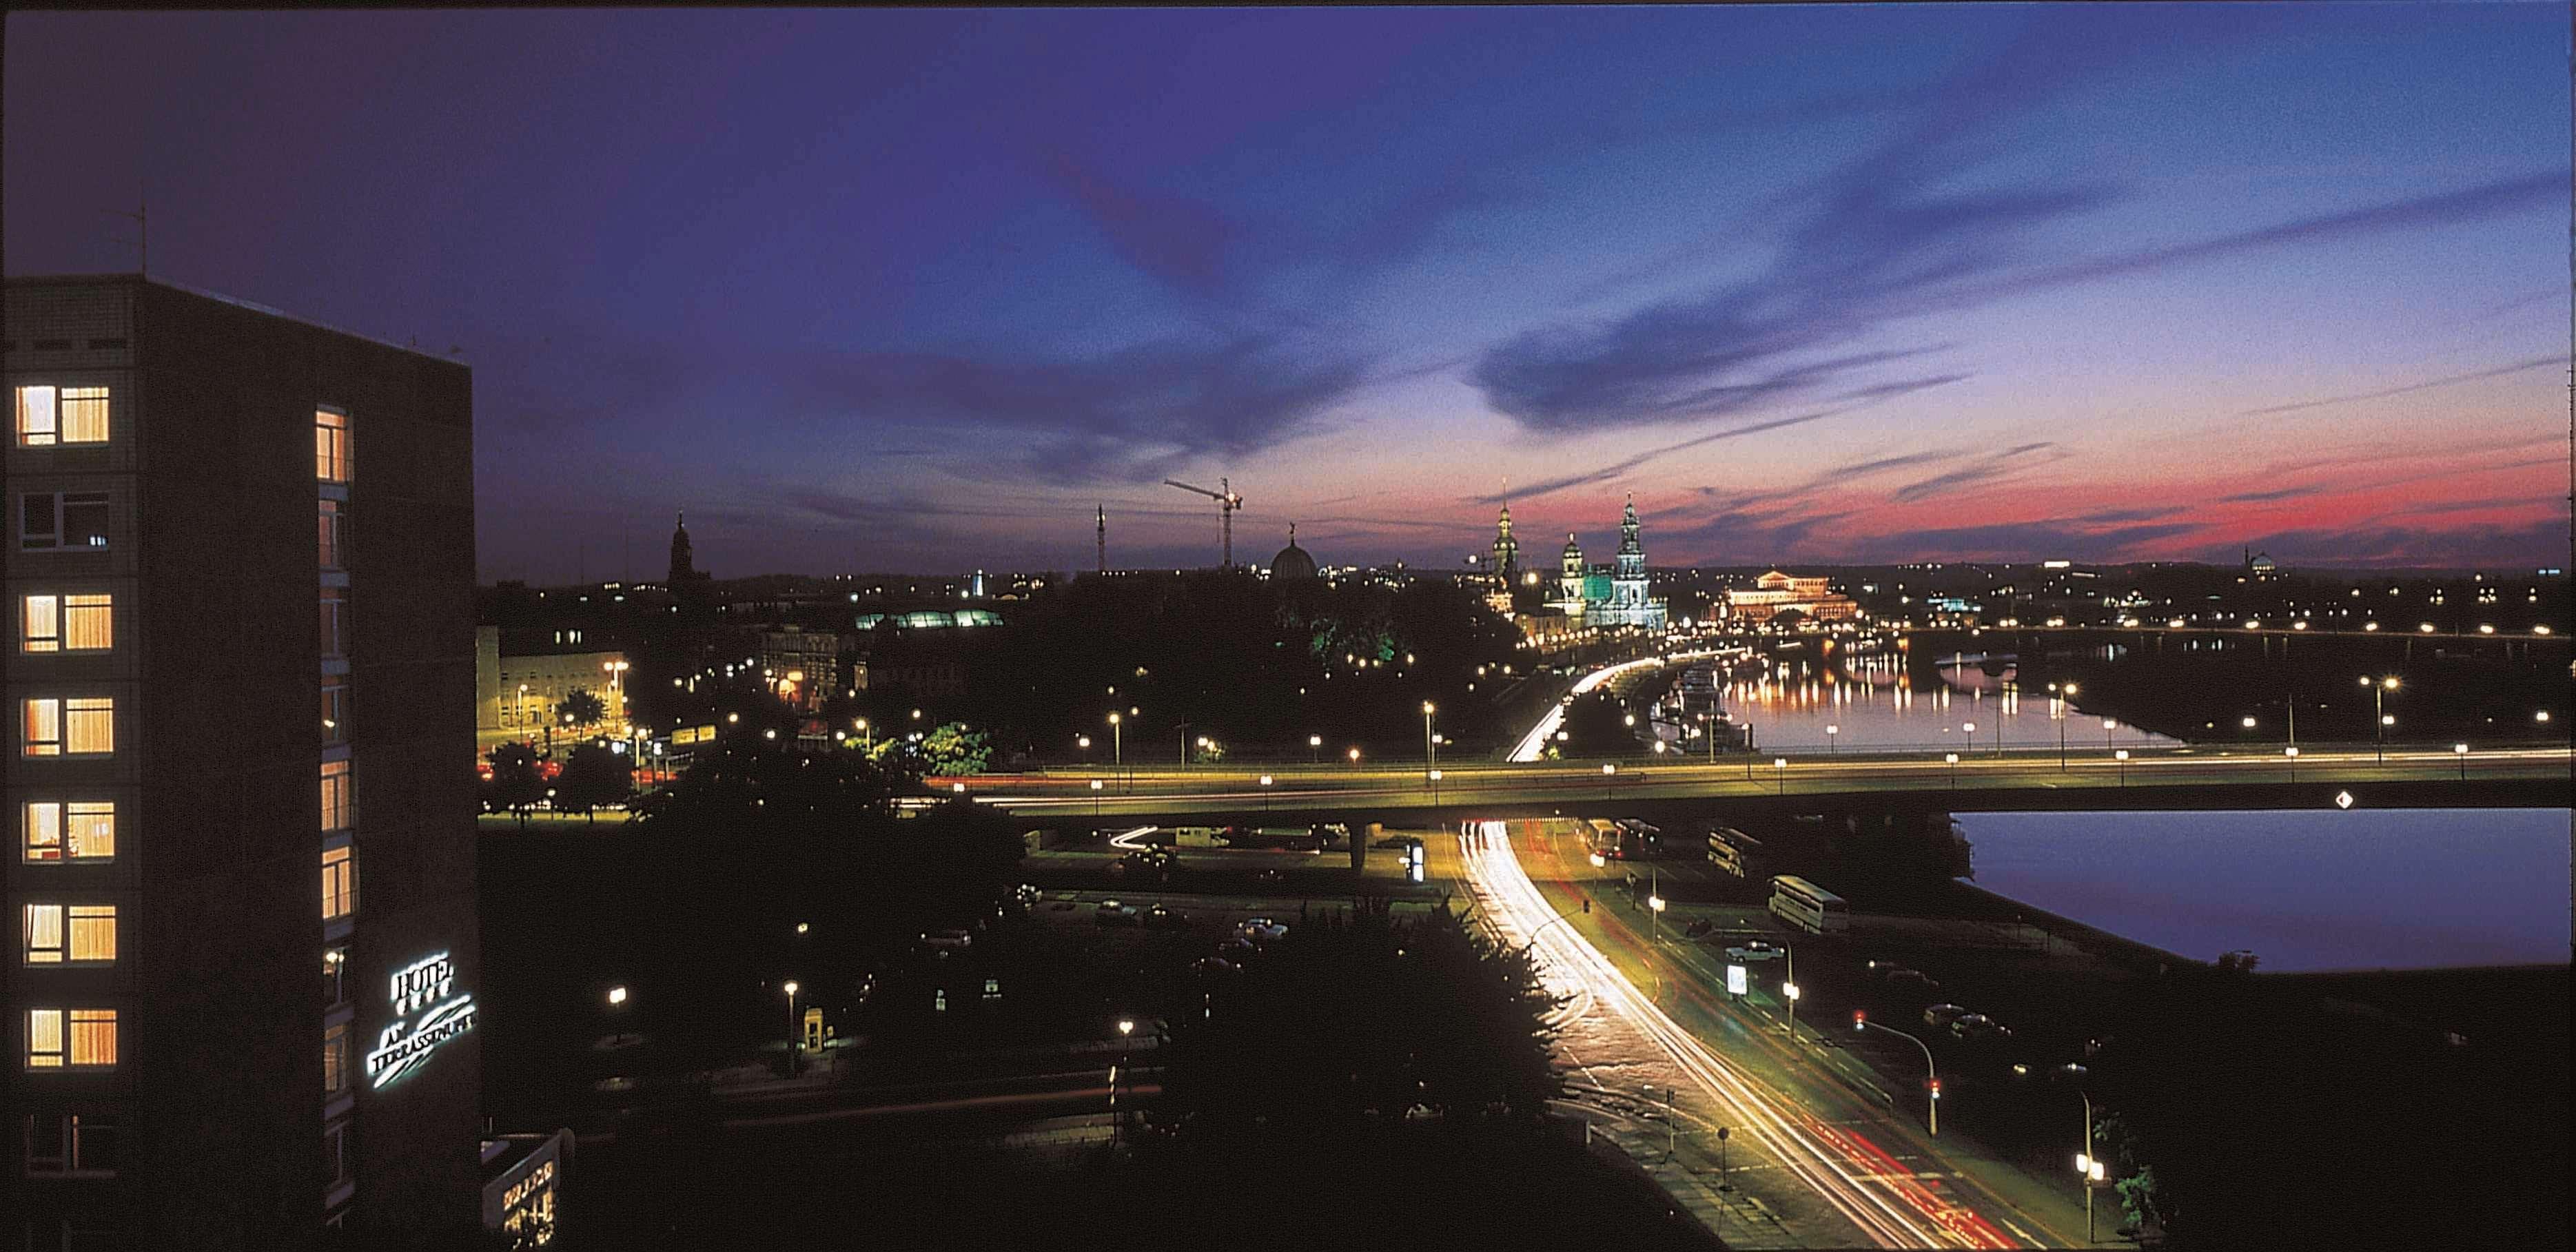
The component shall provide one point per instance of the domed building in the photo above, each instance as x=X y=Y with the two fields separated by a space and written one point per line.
x=1293 y=562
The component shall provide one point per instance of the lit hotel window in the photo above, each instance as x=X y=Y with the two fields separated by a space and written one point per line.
x=49 y=623
x=76 y=933
x=330 y=446
x=339 y=806
x=82 y=830
x=339 y=883
x=48 y=415
x=75 y=727
x=87 y=1039
x=335 y=709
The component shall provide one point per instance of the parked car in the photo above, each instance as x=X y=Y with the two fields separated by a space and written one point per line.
x=1753 y=950
x=1164 y=917
x=951 y=940
x=1112 y=913
x=1974 y=1027
x=1028 y=895
x=1261 y=929
x=1939 y=1016
x=1915 y=980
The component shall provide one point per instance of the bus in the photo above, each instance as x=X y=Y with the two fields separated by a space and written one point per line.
x=1609 y=840
x=1729 y=849
x=1807 y=906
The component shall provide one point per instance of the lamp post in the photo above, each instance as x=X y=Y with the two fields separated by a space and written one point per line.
x=1971 y=728
x=2379 y=718
x=1609 y=772
x=2123 y=757
x=792 y=1030
x=1117 y=743
x=1831 y=734
x=1126 y=1027
x=1095 y=799
x=1953 y=759
x=2292 y=752
x=2109 y=724
x=1430 y=750
x=1265 y=793
x=1780 y=770
x=1314 y=749
x=2461 y=752
x=1931 y=1076
x=2088 y=1167
x=1789 y=991
x=867 y=737
x=1355 y=758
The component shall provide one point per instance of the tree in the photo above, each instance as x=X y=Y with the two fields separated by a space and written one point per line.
x=950 y=749
x=516 y=785
x=580 y=708
x=594 y=775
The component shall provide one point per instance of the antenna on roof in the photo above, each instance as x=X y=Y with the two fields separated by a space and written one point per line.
x=141 y=217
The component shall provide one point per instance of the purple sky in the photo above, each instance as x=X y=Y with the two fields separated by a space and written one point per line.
x=912 y=290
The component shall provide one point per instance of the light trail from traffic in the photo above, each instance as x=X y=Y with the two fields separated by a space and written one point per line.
x=1534 y=744
x=1858 y=1180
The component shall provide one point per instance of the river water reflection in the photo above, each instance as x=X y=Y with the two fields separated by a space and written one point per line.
x=2303 y=890
x=1868 y=703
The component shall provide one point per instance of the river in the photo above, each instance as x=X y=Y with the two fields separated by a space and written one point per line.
x=2304 y=890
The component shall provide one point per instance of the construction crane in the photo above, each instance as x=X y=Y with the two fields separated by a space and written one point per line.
x=1226 y=503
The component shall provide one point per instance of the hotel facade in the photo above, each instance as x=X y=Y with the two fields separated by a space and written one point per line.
x=204 y=1049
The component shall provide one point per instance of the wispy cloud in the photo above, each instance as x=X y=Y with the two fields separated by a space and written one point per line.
x=2543 y=542
x=1138 y=413
x=2515 y=368
x=1992 y=466
x=2276 y=493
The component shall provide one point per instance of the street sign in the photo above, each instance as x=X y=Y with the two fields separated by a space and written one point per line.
x=1735 y=980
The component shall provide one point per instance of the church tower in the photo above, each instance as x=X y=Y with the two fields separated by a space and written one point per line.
x=1507 y=550
x=683 y=561
x=1569 y=578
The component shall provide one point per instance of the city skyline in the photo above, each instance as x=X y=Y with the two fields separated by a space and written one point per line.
x=917 y=290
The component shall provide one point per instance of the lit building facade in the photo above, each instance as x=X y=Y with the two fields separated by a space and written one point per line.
x=186 y=475
x=515 y=691
x=1616 y=594
x=1776 y=593
x=803 y=666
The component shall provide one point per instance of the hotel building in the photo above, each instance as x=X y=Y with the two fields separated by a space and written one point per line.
x=185 y=474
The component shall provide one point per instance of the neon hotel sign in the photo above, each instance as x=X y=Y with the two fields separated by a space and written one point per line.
x=427 y=986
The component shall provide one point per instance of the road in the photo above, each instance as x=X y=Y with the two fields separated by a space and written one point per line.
x=1298 y=790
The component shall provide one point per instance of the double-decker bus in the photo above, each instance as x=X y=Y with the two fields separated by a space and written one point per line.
x=1730 y=849
x=1807 y=906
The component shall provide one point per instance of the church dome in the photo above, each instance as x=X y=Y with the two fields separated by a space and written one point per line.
x=1292 y=561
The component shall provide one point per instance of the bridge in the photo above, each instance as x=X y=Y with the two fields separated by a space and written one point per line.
x=2177 y=777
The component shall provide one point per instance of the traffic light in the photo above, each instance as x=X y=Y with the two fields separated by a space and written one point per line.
x=1936 y=1088
x=1587 y=904
x=1860 y=1020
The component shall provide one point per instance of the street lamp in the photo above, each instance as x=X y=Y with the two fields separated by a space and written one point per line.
x=2379 y=715
x=617 y=995
x=2123 y=757
x=1117 y=743
x=1430 y=750
x=1355 y=758
x=1971 y=728
x=1265 y=793
x=1789 y=990
x=2461 y=751
x=1126 y=1027
x=1314 y=749
x=1830 y=733
x=2109 y=724
x=1931 y=1075
x=2292 y=752
x=2088 y=1166
x=1780 y=769
x=793 y=1029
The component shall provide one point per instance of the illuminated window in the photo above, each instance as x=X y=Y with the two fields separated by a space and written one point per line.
x=49 y=520
x=335 y=709
x=335 y=621
x=335 y=534
x=339 y=883
x=55 y=623
x=77 y=933
x=47 y=415
x=63 y=1145
x=339 y=803
x=76 y=727
x=82 y=830
x=335 y=1060
x=331 y=446
x=71 y=1038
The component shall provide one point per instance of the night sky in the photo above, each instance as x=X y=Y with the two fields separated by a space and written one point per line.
x=911 y=291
